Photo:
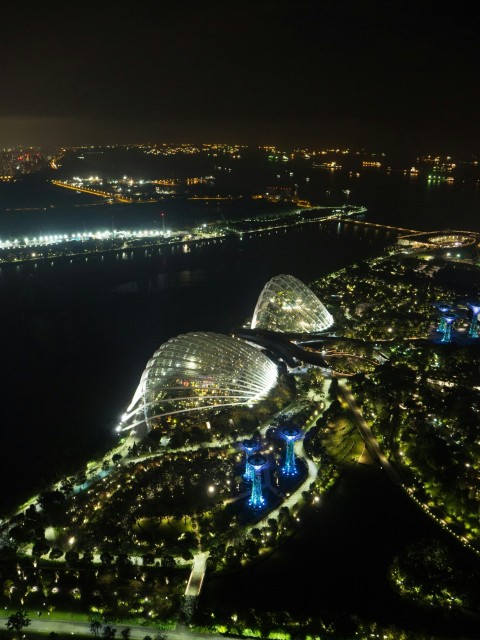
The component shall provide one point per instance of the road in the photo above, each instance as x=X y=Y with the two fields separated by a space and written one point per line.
x=69 y=627
x=368 y=437
x=197 y=574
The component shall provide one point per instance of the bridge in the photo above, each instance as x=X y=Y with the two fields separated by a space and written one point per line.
x=280 y=346
x=385 y=227
x=293 y=347
x=93 y=192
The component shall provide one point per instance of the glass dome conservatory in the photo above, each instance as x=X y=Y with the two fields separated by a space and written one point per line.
x=287 y=305
x=198 y=371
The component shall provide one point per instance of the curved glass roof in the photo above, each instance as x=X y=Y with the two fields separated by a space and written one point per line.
x=196 y=371
x=287 y=305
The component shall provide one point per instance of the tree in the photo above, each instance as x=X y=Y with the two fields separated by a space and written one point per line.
x=17 y=621
x=51 y=501
x=148 y=558
x=8 y=587
x=95 y=627
x=106 y=558
x=40 y=548
x=334 y=388
x=21 y=534
x=87 y=557
x=168 y=562
x=123 y=560
x=71 y=558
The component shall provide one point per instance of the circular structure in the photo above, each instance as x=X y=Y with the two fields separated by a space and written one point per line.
x=257 y=461
x=291 y=433
x=443 y=307
x=450 y=240
x=249 y=447
x=448 y=244
x=287 y=305
x=199 y=371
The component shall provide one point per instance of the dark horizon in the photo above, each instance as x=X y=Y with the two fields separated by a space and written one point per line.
x=49 y=132
x=394 y=75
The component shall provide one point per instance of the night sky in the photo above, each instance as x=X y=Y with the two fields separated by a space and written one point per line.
x=388 y=73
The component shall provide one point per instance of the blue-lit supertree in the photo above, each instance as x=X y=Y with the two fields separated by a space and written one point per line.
x=249 y=447
x=257 y=462
x=449 y=320
x=443 y=308
x=475 y=309
x=290 y=434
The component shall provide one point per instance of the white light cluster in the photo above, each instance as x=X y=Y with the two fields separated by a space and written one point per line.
x=47 y=240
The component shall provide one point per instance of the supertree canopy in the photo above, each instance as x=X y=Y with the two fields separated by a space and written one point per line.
x=475 y=309
x=199 y=371
x=290 y=434
x=249 y=446
x=287 y=305
x=443 y=308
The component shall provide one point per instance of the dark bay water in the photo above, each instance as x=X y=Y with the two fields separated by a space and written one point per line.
x=35 y=207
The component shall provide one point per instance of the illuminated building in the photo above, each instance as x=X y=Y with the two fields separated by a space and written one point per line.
x=290 y=434
x=257 y=462
x=475 y=309
x=287 y=305
x=195 y=372
x=446 y=244
x=249 y=447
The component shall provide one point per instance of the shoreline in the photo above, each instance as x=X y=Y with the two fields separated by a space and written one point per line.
x=157 y=242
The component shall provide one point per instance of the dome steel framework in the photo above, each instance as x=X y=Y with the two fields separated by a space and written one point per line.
x=287 y=305
x=199 y=371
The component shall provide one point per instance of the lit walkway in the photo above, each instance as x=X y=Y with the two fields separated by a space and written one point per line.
x=45 y=626
x=368 y=437
x=198 y=573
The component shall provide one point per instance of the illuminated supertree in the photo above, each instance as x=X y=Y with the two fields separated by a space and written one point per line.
x=449 y=320
x=443 y=308
x=475 y=309
x=257 y=462
x=290 y=434
x=249 y=447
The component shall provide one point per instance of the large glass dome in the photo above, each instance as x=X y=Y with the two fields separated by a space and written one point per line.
x=287 y=305
x=198 y=371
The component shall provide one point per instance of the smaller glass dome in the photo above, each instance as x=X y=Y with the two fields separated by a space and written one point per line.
x=287 y=305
